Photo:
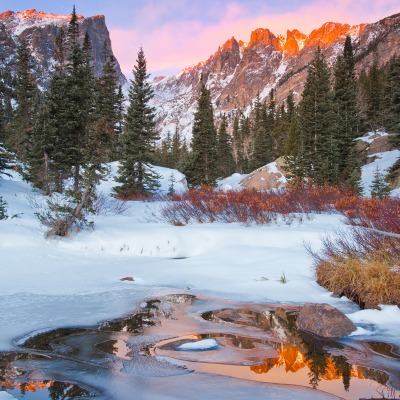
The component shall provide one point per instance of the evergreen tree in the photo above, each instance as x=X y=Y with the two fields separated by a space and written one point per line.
x=176 y=149
x=201 y=168
x=171 y=188
x=318 y=152
x=50 y=155
x=79 y=98
x=354 y=180
x=108 y=101
x=135 y=173
x=245 y=137
x=238 y=146
x=40 y=164
x=27 y=96
x=226 y=164
x=373 y=87
x=393 y=91
x=261 y=133
x=345 y=91
x=379 y=187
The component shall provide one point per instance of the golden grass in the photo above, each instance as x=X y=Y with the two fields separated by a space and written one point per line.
x=369 y=281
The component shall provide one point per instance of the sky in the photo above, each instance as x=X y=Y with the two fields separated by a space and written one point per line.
x=175 y=34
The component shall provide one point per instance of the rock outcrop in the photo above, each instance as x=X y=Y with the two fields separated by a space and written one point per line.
x=324 y=320
x=270 y=176
x=40 y=29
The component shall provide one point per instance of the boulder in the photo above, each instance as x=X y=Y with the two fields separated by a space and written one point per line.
x=127 y=278
x=270 y=176
x=372 y=143
x=324 y=320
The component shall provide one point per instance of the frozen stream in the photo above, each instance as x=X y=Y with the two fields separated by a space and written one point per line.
x=186 y=347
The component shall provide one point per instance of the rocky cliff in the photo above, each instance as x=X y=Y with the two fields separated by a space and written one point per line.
x=237 y=71
x=40 y=29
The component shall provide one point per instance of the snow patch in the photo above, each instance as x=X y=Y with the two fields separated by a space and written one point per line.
x=200 y=345
x=384 y=162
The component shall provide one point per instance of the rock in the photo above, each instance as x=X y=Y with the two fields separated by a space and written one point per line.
x=127 y=278
x=40 y=29
x=324 y=320
x=271 y=176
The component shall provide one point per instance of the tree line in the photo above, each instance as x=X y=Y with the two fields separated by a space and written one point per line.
x=316 y=136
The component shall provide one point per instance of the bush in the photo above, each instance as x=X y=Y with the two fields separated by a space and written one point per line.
x=248 y=206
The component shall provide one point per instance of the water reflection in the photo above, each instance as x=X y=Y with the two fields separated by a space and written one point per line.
x=117 y=348
x=48 y=390
x=301 y=352
x=257 y=344
x=134 y=323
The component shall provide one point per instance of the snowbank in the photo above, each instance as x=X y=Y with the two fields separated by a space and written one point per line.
x=75 y=281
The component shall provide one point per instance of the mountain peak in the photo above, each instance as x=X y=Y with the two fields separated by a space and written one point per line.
x=294 y=42
x=230 y=44
x=32 y=16
x=327 y=34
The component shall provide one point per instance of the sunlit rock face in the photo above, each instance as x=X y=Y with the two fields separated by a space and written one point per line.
x=238 y=71
x=40 y=29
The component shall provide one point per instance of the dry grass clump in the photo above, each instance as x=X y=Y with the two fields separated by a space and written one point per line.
x=362 y=265
x=369 y=282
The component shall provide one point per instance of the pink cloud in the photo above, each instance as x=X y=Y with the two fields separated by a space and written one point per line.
x=172 y=46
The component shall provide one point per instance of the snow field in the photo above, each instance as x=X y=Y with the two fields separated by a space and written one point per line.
x=49 y=283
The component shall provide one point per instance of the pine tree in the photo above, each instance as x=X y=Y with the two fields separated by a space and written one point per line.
x=40 y=163
x=226 y=164
x=108 y=102
x=27 y=96
x=375 y=110
x=201 y=168
x=171 y=188
x=393 y=92
x=345 y=102
x=379 y=187
x=238 y=146
x=79 y=98
x=245 y=137
x=135 y=173
x=354 y=180
x=51 y=140
x=262 y=129
x=318 y=148
x=176 y=149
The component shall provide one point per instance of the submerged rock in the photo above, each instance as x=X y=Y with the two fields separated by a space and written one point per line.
x=324 y=320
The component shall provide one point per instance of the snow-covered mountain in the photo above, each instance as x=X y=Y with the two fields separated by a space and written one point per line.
x=237 y=71
x=40 y=29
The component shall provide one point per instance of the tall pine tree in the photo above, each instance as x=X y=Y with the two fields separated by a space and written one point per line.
x=27 y=98
x=317 y=153
x=345 y=101
x=201 y=168
x=136 y=175
x=226 y=164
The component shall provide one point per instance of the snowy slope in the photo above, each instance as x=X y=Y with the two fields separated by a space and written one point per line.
x=383 y=161
x=76 y=281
